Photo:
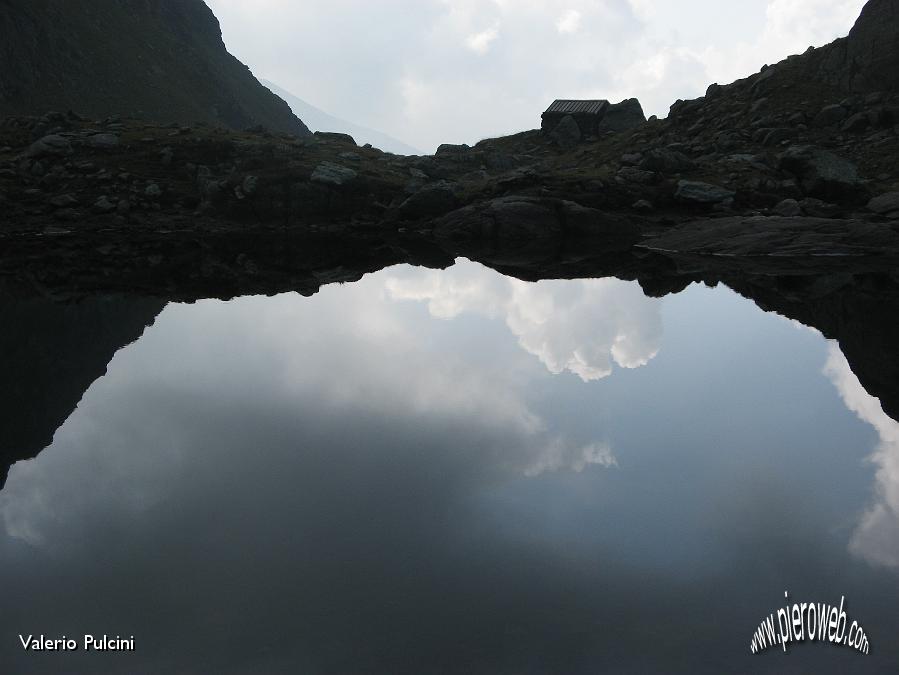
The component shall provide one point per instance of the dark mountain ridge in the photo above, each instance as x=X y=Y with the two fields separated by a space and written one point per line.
x=160 y=60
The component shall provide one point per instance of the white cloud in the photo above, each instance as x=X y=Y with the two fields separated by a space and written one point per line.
x=876 y=538
x=559 y=456
x=569 y=22
x=582 y=326
x=480 y=42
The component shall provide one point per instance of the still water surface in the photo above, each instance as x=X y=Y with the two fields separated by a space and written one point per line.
x=456 y=472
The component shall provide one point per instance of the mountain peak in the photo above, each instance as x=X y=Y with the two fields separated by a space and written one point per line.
x=164 y=61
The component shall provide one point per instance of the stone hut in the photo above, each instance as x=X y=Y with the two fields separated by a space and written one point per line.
x=594 y=117
x=587 y=114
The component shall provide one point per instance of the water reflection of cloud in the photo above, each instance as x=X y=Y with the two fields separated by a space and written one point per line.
x=876 y=538
x=578 y=326
x=350 y=353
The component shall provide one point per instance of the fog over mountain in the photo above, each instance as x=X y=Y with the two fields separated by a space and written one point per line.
x=319 y=120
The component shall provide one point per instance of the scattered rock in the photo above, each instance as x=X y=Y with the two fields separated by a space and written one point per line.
x=629 y=174
x=664 y=160
x=153 y=191
x=50 y=146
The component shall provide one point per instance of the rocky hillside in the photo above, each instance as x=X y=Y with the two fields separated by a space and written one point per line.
x=160 y=60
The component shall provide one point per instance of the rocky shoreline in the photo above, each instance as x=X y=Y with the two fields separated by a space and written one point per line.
x=798 y=161
x=783 y=185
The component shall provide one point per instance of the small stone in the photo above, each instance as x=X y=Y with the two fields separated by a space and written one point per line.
x=63 y=201
x=103 y=141
x=885 y=203
x=249 y=185
x=153 y=191
x=788 y=207
x=123 y=207
x=642 y=205
x=103 y=205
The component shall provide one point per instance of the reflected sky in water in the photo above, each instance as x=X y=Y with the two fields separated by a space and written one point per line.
x=456 y=472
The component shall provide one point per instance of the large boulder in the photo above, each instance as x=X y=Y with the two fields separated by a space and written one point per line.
x=431 y=200
x=567 y=133
x=622 y=116
x=821 y=172
x=329 y=173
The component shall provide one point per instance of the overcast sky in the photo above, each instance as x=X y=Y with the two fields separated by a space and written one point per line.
x=433 y=71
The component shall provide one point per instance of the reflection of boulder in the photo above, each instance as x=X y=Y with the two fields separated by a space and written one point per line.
x=51 y=354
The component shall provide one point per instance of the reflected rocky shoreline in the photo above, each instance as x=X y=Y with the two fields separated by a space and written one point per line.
x=58 y=342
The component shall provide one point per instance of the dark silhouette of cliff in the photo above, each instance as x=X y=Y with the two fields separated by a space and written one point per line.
x=52 y=352
x=160 y=60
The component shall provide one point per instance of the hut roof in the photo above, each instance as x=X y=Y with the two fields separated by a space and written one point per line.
x=570 y=107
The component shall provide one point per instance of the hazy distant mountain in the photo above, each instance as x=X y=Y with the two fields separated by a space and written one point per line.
x=162 y=61
x=318 y=120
